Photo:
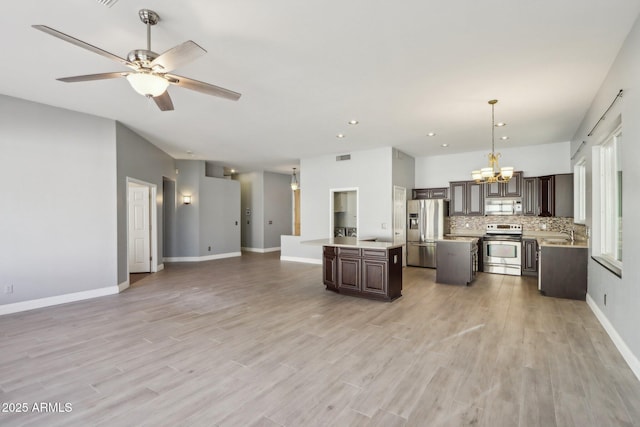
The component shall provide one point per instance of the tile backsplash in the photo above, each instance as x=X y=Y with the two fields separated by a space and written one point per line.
x=529 y=223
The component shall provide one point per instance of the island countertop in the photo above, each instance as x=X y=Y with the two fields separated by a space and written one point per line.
x=352 y=242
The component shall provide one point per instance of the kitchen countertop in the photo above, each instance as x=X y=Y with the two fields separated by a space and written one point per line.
x=352 y=242
x=566 y=244
x=466 y=232
x=463 y=239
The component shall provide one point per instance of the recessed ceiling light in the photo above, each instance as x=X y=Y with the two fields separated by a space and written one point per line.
x=189 y=152
x=431 y=134
x=504 y=138
x=444 y=145
x=500 y=124
x=340 y=135
x=353 y=122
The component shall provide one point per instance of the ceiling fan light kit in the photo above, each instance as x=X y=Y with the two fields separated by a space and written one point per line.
x=148 y=84
x=150 y=76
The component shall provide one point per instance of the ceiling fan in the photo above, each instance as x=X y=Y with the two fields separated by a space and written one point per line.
x=150 y=76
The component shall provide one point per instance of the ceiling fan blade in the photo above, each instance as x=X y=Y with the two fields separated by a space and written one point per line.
x=89 y=77
x=83 y=45
x=164 y=102
x=202 y=87
x=178 y=55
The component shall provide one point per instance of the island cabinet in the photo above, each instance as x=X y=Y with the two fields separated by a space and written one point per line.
x=529 y=257
x=364 y=272
x=466 y=198
x=457 y=260
x=513 y=188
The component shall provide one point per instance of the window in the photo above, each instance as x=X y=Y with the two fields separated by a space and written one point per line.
x=608 y=198
x=580 y=191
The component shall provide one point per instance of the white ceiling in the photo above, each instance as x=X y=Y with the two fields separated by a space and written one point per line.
x=305 y=68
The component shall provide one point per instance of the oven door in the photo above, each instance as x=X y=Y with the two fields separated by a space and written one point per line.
x=503 y=256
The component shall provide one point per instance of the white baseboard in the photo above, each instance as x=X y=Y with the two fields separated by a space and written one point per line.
x=124 y=285
x=160 y=267
x=622 y=347
x=58 y=299
x=261 y=250
x=304 y=260
x=202 y=258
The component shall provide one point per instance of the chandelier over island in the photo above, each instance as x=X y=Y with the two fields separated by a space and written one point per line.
x=493 y=173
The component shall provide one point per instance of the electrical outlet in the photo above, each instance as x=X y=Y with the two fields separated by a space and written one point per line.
x=8 y=289
x=605 y=299
x=384 y=225
x=209 y=248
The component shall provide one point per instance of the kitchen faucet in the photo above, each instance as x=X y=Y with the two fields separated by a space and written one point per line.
x=572 y=234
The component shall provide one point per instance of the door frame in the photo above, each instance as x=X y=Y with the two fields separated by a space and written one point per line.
x=153 y=222
x=331 y=216
x=403 y=218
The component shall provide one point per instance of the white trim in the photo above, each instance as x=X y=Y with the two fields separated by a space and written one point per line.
x=56 y=300
x=124 y=285
x=622 y=347
x=202 y=258
x=261 y=250
x=160 y=267
x=304 y=260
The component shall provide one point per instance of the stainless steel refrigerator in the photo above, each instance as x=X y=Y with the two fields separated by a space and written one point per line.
x=427 y=221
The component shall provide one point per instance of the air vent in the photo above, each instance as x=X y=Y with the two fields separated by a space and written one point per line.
x=108 y=3
x=343 y=157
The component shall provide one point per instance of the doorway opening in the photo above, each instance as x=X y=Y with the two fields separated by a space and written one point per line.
x=343 y=212
x=142 y=245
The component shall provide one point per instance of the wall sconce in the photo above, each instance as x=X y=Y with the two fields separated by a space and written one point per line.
x=186 y=200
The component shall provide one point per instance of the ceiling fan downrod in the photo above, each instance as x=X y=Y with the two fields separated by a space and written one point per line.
x=149 y=18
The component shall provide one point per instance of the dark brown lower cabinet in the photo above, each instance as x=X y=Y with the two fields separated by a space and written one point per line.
x=563 y=272
x=330 y=267
x=363 y=272
x=529 y=257
x=456 y=261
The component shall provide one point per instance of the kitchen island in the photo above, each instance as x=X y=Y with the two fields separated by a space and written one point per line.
x=457 y=260
x=361 y=268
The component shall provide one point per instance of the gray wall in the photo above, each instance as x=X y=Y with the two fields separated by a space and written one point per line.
x=169 y=223
x=403 y=171
x=188 y=216
x=278 y=208
x=219 y=216
x=210 y=219
x=57 y=201
x=138 y=158
x=623 y=295
x=252 y=198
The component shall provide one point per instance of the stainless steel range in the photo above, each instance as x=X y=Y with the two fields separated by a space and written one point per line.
x=502 y=245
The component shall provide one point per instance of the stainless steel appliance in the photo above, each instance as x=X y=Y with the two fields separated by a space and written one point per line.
x=427 y=221
x=503 y=206
x=502 y=245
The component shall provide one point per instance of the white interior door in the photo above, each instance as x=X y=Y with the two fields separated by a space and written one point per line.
x=400 y=219
x=139 y=230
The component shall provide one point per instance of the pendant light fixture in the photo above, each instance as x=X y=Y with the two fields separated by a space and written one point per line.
x=294 y=181
x=492 y=173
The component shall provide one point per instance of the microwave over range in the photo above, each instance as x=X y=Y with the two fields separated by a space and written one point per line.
x=503 y=207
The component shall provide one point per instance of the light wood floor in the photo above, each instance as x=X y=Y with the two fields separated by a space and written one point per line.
x=253 y=341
